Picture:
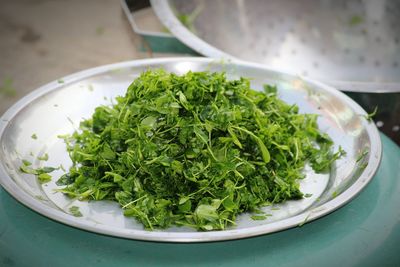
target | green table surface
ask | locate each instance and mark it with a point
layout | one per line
(365, 232)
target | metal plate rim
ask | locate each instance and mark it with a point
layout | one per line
(29, 201)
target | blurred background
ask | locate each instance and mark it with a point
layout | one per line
(43, 40)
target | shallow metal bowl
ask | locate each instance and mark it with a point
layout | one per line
(58, 107)
(353, 45)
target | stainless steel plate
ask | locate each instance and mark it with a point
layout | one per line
(58, 107)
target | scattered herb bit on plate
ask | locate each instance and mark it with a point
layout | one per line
(42, 173)
(194, 150)
(75, 211)
(34, 136)
(45, 157)
(371, 115)
(362, 155)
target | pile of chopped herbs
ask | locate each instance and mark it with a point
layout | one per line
(194, 150)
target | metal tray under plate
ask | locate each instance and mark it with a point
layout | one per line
(58, 107)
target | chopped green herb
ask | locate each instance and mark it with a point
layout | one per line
(60, 81)
(362, 155)
(45, 157)
(42, 173)
(194, 150)
(304, 221)
(26, 162)
(363, 166)
(308, 195)
(75, 211)
(44, 178)
(25, 169)
(369, 116)
(259, 217)
(34, 136)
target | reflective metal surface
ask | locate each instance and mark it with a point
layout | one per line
(353, 45)
(58, 107)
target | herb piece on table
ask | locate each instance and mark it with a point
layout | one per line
(194, 150)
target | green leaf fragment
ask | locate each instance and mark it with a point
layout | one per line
(75, 211)
(26, 162)
(45, 157)
(258, 217)
(44, 178)
(371, 115)
(42, 173)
